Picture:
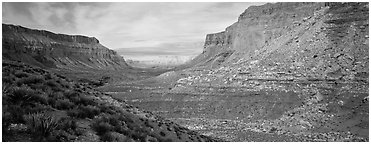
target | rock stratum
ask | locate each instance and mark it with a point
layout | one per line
(291, 69)
(319, 40)
(49, 50)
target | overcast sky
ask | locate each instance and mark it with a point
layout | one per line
(138, 27)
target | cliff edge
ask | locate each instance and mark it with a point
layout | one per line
(49, 50)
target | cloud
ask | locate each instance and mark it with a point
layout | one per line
(21, 9)
(163, 27)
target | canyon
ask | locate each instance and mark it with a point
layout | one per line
(282, 72)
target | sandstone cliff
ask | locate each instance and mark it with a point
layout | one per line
(320, 40)
(50, 50)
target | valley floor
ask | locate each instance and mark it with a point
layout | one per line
(282, 111)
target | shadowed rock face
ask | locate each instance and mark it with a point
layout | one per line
(47, 49)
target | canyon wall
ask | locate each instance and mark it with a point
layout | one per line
(321, 40)
(50, 50)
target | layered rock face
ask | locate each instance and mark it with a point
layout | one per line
(322, 40)
(297, 69)
(47, 49)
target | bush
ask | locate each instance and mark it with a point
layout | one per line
(86, 100)
(101, 127)
(108, 137)
(57, 95)
(90, 111)
(41, 98)
(84, 112)
(30, 80)
(20, 94)
(20, 74)
(114, 120)
(162, 133)
(71, 94)
(13, 114)
(67, 124)
(110, 109)
(36, 108)
(113, 137)
(54, 85)
(78, 98)
(61, 136)
(54, 97)
(8, 79)
(64, 104)
(41, 125)
(139, 134)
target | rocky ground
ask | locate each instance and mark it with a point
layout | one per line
(304, 112)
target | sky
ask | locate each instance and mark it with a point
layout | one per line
(133, 29)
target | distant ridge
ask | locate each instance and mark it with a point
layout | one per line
(49, 50)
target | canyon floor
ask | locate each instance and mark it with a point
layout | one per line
(265, 110)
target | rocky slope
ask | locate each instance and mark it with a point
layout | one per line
(314, 53)
(50, 50)
(39, 105)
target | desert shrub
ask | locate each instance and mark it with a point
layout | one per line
(64, 104)
(8, 79)
(78, 98)
(84, 112)
(20, 74)
(48, 76)
(61, 76)
(109, 137)
(165, 140)
(36, 108)
(101, 127)
(54, 85)
(140, 134)
(113, 137)
(110, 109)
(61, 136)
(41, 125)
(86, 100)
(74, 112)
(103, 80)
(54, 97)
(52, 102)
(6, 89)
(30, 80)
(57, 95)
(132, 126)
(40, 86)
(90, 111)
(41, 98)
(20, 94)
(127, 118)
(7, 118)
(25, 95)
(71, 94)
(66, 85)
(114, 120)
(162, 133)
(123, 129)
(67, 124)
(13, 114)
